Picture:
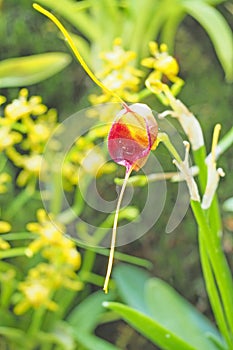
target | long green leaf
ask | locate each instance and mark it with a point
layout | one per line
(159, 301)
(176, 314)
(151, 329)
(218, 30)
(24, 71)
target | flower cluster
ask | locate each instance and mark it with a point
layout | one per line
(63, 260)
(51, 241)
(165, 68)
(118, 75)
(24, 131)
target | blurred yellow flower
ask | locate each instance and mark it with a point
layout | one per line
(4, 226)
(39, 131)
(22, 107)
(41, 283)
(117, 58)
(118, 75)
(27, 121)
(49, 232)
(31, 165)
(7, 136)
(2, 99)
(163, 65)
(44, 279)
(52, 243)
(36, 293)
(4, 180)
(4, 244)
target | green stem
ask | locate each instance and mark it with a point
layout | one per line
(22, 198)
(214, 220)
(199, 158)
(120, 256)
(13, 252)
(37, 320)
(143, 94)
(90, 277)
(213, 212)
(218, 261)
(163, 137)
(213, 292)
(88, 261)
(18, 236)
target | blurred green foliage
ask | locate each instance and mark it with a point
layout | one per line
(23, 32)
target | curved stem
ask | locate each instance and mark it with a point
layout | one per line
(76, 52)
(113, 241)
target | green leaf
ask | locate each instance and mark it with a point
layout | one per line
(131, 281)
(228, 204)
(176, 314)
(157, 300)
(75, 12)
(24, 71)
(91, 342)
(151, 329)
(86, 315)
(218, 30)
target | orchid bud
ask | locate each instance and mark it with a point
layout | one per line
(132, 136)
(130, 140)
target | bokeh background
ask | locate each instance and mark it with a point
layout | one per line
(174, 256)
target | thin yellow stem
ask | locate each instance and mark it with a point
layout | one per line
(76, 52)
(114, 231)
